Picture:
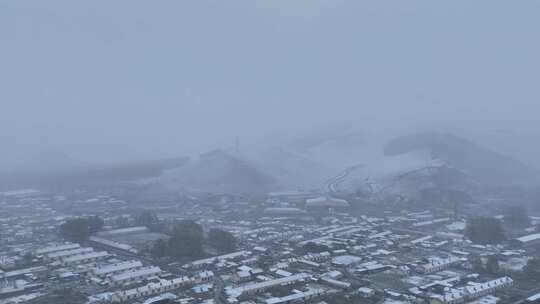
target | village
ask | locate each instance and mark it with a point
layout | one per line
(291, 247)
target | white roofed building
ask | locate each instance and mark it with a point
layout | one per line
(528, 240)
(326, 202)
(57, 255)
(116, 268)
(134, 275)
(471, 291)
(438, 264)
(254, 288)
(59, 247)
(149, 289)
(85, 258)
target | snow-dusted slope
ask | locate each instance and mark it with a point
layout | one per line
(219, 172)
(316, 161)
(292, 170)
(403, 166)
(476, 161)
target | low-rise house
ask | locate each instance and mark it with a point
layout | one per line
(437, 264)
(58, 247)
(204, 276)
(303, 296)
(134, 275)
(57, 255)
(251, 289)
(205, 262)
(149, 290)
(116, 268)
(85, 258)
(346, 260)
(470, 292)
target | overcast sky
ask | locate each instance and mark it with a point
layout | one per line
(122, 80)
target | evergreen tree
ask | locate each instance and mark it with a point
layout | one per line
(485, 230)
(95, 223)
(476, 264)
(492, 265)
(222, 240)
(532, 269)
(159, 249)
(75, 230)
(148, 219)
(516, 217)
(79, 229)
(186, 240)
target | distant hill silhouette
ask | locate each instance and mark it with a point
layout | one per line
(220, 172)
(480, 163)
(62, 173)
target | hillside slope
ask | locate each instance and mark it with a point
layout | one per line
(219, 172)
(480, 163)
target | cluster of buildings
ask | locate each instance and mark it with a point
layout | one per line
(295, 247)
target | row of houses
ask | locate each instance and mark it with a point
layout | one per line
(129, 276)
(298, 297)
(55, 248)
(70, 254)
(155, 288)
(254, 288)
(437, 264)
(198, 264)
(471, 291)
(103, 271)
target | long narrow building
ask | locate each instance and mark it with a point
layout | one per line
(85, 258)
(55, 248)
(116, 268)
(67, 253)
(254, 288)
(149, 289)
(135, 275)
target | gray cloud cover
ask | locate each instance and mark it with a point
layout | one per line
(122, 80)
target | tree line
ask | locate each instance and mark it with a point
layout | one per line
(79, 229)
(489, 230)
(187, 240)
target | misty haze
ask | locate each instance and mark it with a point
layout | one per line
(269, 152)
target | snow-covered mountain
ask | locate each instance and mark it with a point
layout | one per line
(353, 162)
(59, 172)
(480, 163)
(313, 161)
(404, 165)
(219, 172)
